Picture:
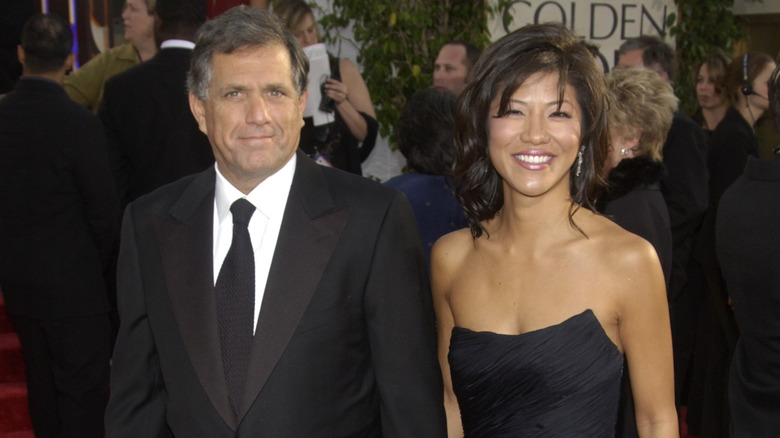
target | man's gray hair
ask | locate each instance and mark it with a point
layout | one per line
(240, 28)
(656, 54)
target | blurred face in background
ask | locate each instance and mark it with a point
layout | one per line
(760, 86)
(706, 93)
(306, 31)
(449, 69)
(139, 23)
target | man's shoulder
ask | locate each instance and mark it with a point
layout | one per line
(356, 188)
(43, 96)
(190, 190)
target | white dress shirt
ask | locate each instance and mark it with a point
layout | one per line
(270, 200)
(177, 44)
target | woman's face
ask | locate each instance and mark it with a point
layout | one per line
(760, 85)
(306, 32)
(139, 24)
(535, 144)
(706, 94)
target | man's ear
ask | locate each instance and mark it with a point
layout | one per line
(20, 54)
(198, 108)
(302, 100)
(302, 104)
(69, 62)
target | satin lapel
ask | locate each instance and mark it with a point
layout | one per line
(311, 227)
(185, 237)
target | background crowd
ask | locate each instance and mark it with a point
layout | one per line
(153, 127)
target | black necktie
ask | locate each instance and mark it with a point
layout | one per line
(235, 301)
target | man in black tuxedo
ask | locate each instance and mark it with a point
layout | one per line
(59, 218)
(340, 331)
(152, 137)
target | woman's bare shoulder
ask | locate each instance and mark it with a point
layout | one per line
(453, 245)
(609, 242)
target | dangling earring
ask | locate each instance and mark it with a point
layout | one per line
(579, 160)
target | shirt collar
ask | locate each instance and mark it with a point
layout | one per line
(177, 44)
(269, 197)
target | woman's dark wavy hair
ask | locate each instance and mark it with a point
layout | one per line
(500, 71)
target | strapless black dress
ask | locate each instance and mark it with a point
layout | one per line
(559, 381)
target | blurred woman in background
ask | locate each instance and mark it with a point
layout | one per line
(348, 141)
(710, 90)
(85, 85)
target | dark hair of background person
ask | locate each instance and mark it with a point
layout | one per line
(293, 12)
(735, 73)
(248, 27)
(499, 72)
(47, 42)
(472, 52)
(774, 101)
(655, 53)
(179, 17)
(425, 131)
(597, 55)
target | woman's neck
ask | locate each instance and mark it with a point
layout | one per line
(713, 116)
(751, 113)
(534, 217)
(146, 49)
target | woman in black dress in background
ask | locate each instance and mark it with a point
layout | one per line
(538, 304)
(348, 141)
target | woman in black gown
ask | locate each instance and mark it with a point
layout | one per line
(539, 302)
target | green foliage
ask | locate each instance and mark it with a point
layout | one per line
(399, 41)
(700, 26)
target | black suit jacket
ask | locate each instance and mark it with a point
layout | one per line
(152, 136)
(747, 248)
(59, 215)
(685, 190)
(345, 343)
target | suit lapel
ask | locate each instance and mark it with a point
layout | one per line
(185, 237)
(311, 227)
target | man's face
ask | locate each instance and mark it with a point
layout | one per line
(632, 58)
(449, 70)
(253, 115)
(139, 23)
